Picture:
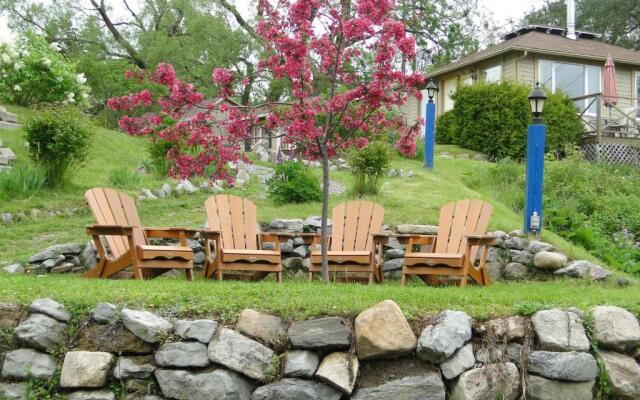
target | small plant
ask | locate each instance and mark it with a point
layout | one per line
(58, 138)
(292, 182)
(124, 178)
(158, 162)
(367, 166)
(21, 181)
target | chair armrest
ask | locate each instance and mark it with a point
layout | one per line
(414, 239)
(110, 230)
(210, 234)
(480, 240)
(174, 233)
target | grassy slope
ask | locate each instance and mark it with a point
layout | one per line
(414, 200)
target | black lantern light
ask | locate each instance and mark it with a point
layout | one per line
(536, 100)
(432, 89)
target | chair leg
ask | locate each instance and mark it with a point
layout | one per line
(403, 280)
(189, 274)
(310, 276)
(279, 277)
(219, 272)
(370, 278)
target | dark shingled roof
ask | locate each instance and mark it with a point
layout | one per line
(548, 43)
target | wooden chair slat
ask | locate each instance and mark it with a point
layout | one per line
(237, 222)
(119, 217)
(444, 228)
(350, 225)
(117, 244)
(473, 214)
(250, 225)
(130, 210)
(211, 210)
(224, 215)
(375, 226)
(457, 226)
(364, 225)
(337, 230)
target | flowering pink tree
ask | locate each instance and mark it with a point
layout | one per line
(358, 47)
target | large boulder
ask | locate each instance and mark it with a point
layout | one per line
(241, 354)
(536, 246)
(145, 325)
(539, 388)
(615, 328)
(25, 364)
(324, 334)
(494, 381)
(559, 330)
(182, 355)
(13, 391)
(51, 308)
(564, 366)
(585, 270)
(300, 364)
(212, 384)
(549, 260)
(85, 369)
(461, 361)
(266, 328)
(104, 313)
(295, 389)
(201, 330)
(41, 332)
(111, 339)
(137, 367)
(421, 387)
(13, 269)
(439, 341)
(339, 370)
(382, 331)
(515, 271)
(624, 375)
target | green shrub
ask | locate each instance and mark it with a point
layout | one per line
(492, 118)
(293, 182)
(367, 166)
(58, 138)
(158, 163)
(124, 178)
(21, 181)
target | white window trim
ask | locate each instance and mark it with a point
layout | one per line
(586, 78)
(636, 75)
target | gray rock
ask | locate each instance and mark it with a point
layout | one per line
(13, 269)
(24, 364)
(539, 388)
(515, 271)
(565, 366)
(421, 387)
(516, 327)
(92, 395)
(495, 381)
(41, 332)
(461, 361)
(382, 331)
(495, 269)
(515, 243)
(615, 328)
(201, 330)
(536, 246)
(300, 364)
(13, 391)
(295, 389)
(186, 186)
(287, 225)
(50, 308)
(212, 384)
(489, 355)
(287, 247)
(514, 352)
(266, 328)
(300, 251)
(183, 355)
(521, 257)
(145, 325)
(63, 268)
(324, 334)
(516, 232)
(165, 190)
(293, 263)
(148, 194)
(392, 254)
(138, 367)
(439, 341)
(559, 330)
(104, 313)
(418, 229)
(314, 223)
(199, 258)
(584, 269)
(52, 262)
(393, 243)
(56, 250)
(549, 260)
(624, 375)
(113, 338)
(85, 369)
(241, 354)
(339, 370)
(393, 265)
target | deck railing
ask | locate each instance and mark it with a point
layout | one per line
(609, 123)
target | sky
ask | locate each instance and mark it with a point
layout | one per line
(501, 10)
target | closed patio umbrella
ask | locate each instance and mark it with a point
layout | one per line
(610, 93)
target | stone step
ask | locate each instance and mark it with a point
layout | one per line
(9, 125)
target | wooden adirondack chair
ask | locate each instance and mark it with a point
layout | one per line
(233, 229)
(453, 251)
(355, 244)
(120, 230)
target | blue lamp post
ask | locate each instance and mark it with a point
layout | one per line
(535, 163)
(430, 126)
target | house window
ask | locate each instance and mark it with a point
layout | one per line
(493, 74)
(575, 80)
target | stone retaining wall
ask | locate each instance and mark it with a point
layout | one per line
(134, 354)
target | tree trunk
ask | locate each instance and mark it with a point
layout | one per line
(324, 230)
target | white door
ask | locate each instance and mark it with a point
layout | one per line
(449, 90)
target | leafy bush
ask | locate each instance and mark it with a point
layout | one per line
(58, 138)
(34, 72)
(158, 162)
(367, 166)
(21, 181)
(492, 118)
(293, 182)
(124, 178)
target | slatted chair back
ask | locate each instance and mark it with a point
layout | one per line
(458, 219)
(235, 218)
(353, 224)
(110, 207)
